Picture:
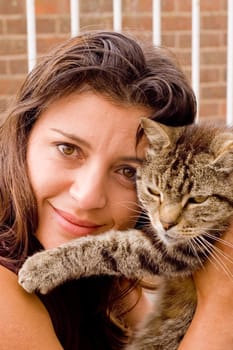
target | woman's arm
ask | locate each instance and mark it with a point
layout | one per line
(24, 323)
(212, 325)
(211, 329)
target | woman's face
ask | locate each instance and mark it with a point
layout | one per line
(81, 160)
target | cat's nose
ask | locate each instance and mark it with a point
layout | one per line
(167, 225)
(169, 213)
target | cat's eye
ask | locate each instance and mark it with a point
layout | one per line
(198, 199)
(153, 191)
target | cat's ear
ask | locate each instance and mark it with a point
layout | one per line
(222, 148)
(160, 136)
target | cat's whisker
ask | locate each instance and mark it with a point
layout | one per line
(146, 225)
(224, 267)
(138, 204)
(132, 210)
(220, 252)
(216, 254)
(130, 204)
(199, 244)
(139, 211)
(220, 240)
(192, 244)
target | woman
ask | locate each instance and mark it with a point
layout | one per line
(68, 160)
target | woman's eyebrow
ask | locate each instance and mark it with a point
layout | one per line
(85, 143)
(133, 159)
(72, 137)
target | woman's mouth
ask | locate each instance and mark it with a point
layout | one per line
(71, 224)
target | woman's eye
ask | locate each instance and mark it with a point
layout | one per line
(68, 149)
(129, 173)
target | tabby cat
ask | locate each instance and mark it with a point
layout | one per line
(185, 187)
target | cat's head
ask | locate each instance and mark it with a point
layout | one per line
(186, 183)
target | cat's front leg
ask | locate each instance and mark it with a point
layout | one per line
(43, 271)
(50, 268)
(112, 253)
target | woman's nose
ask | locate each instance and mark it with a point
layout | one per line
(89, 189)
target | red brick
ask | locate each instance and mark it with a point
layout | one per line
(214, 21)
(223, 38)
(168, 39)
(222, 108)
(63, 25)
(52, 6)
(184, 57)
(1, 26)
(208, 108)
(211, 74)
(16, 26)
(184, 6)
(167, 5)
(184, 40)
(3, 104)
(10, 86)
(210, 39)
(18, 66)
(210, 5)
(10, 7)
(3, 66)
(213, 57)
(213, 92)
(96, 7)
(176, 23)
(96, 22)
(45, 44)
(12, 46)
(137, 6)
(143, 36)
(216, 118)
(143, 23)
(223, 72)
(46, 25)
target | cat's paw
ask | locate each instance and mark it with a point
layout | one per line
(39, 273)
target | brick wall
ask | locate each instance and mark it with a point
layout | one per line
(53, 26)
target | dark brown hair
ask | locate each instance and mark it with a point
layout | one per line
(109, 63)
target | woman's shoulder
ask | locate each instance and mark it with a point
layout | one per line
(10, 287)
(24, 322)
